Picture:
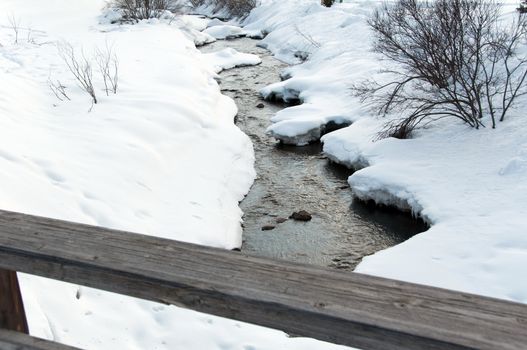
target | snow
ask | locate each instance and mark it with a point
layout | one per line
(456, 179)
(230, 58)
(136, 138)
(160, 157)
(225, 31)
(216, 22)
(469, 185)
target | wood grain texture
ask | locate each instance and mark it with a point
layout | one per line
(12, 314)
(343, 308)
(10, 340)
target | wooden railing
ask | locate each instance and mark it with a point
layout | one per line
(12, 314)
(343, 308)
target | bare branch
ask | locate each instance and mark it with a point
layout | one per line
(455, 58)
(14, 22)
(58, 89)
(135, 10)
(108, 65)
(307, 37)
(236, 8)
(80, 68)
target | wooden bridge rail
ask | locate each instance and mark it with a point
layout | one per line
(11, 340)
(343, 308)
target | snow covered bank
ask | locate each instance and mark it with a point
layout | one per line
(470, 185)
(230, 58)
(147, 138)
(305, 29)
(161, 157)
(225, 32)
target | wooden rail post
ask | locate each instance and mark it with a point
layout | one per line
(12, 314)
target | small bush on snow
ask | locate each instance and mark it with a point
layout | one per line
(235, 8)
(108, 67)
(135, 10)
(14, 23)
(451, 58)
(79, 67)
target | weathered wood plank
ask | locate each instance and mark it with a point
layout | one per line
(12, 314)
(343, 308)
(10, 340)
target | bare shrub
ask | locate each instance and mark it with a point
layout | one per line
(238, 8)
(197, 3)
(235, 8)
(144, 9)
(307, 37)
(108, 65)
(80, 68)
(14, 23)
(29, 37)
(58, 89)
(452, 58)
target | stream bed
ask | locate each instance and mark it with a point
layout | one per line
(342, 231)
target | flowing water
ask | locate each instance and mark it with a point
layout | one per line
(342, 231)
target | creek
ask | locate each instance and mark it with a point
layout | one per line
(342, 230)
